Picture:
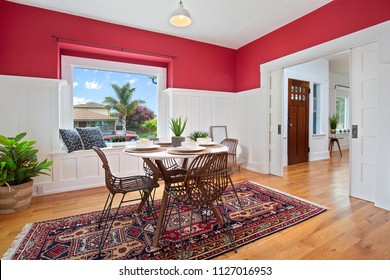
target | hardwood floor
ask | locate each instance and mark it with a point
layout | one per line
(350, 229)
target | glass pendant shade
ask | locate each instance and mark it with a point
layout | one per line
(180, 17)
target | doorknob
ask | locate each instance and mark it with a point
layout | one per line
(289, 122)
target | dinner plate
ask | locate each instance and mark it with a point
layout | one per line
(208, 144)
(194, 149)
(146, 148)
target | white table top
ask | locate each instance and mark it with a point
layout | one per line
(165, 154)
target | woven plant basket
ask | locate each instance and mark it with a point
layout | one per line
(15, 198)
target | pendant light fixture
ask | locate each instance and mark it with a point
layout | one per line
(180, 17)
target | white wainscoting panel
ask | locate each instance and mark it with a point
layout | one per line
(204, 109)
(67, 168)
(253, 130)
(31, 105)
(40, 107)
(83, 169)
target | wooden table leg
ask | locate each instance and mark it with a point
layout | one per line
(146, 195)
(164, 203)
(160, 220)
(338, 144)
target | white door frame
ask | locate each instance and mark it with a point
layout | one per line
(276, 123)
(378, 33)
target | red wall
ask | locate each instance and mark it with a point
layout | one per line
(26, 48)
(336, 19)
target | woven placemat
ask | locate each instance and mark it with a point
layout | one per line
(140, 150)
(178, 152)
(212, 146)
(162, 144)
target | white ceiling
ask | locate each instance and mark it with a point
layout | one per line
(228, 23)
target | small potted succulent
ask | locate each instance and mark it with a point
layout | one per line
(18, 165)
(198, 134)
(177, 126)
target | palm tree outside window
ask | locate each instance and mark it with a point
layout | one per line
(122, 103)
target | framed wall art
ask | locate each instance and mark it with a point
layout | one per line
(218, 133)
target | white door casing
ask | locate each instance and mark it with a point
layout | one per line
(379, 33)
(275, 122)
(364, 90)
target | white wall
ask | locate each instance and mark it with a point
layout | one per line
(32, 105)
(334, 80)
(253, 129)
(82, 169)
(315, 72)
(203, 110)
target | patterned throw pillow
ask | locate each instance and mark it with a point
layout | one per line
(91, 136)
(71, 139)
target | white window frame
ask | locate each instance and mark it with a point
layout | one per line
(343, 92)
(69, 62)
(319, 107)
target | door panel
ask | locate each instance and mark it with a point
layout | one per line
(298, 121)
(275, 122)
(364, 78)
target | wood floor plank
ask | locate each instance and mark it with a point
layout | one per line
(350, 229)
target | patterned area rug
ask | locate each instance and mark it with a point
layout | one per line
(266, 211)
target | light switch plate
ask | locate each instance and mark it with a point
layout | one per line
(354, 131)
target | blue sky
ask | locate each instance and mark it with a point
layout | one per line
(90, 85)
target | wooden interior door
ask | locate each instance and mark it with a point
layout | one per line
(298, 121)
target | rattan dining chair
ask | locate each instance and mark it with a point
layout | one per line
(122, 185)
(232, 143)
(201, 188)
(170, 164)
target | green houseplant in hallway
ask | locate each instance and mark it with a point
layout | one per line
(333, 121)
(18, 165)
(177, 126)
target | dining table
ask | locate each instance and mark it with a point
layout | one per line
(154, 157)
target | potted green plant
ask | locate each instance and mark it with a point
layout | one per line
(177, 126)
(18, 165)
(333, 124)
(198, 134)
(118, 139)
